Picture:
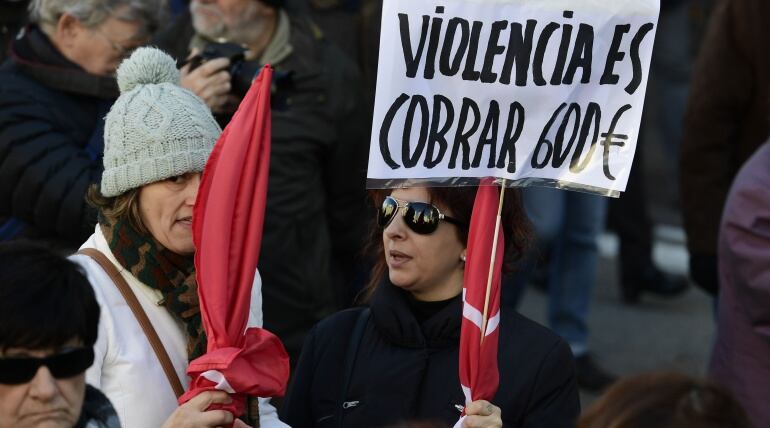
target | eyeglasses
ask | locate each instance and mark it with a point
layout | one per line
(119, 50)
(14, 371)
(421, 217)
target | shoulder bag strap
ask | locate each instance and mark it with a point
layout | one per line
(350, 360)
(140, 315)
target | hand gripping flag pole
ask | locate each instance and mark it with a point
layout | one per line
(479, 376)
(228, 217)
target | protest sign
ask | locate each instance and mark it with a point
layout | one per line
(546, 92)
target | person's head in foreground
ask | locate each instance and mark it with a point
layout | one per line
(157, 139)
(664, 400)
(96, 34)
(48, 325)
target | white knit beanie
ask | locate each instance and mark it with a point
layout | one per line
(156, 129)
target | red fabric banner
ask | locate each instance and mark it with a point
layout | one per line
(479, 375)
(227, 231)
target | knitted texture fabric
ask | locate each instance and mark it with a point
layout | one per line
(156, 129)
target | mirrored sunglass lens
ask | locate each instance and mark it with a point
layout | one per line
(388, 210)
(14, 371)
(71, 363)
(422, 217)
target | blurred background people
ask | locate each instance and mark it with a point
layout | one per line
(55, 89)
(340, 21)
(741, 358)
(567, 225)
(158, 137)
(48, 325)
(13, 15)
(629, 216)
(315, 217)
(727, 119)
(664, 400)
(397, 358)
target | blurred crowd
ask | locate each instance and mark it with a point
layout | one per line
(76, 174)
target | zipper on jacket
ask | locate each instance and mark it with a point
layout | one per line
(459, 408)
(350, 404)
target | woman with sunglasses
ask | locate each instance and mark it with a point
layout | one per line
(140, 259)
(48, 324)
(397, 358)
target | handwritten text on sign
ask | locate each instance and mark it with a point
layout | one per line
(550, 89)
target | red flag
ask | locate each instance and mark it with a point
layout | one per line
(479, 377)
(227, 230)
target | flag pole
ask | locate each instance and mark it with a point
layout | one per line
(492, 263)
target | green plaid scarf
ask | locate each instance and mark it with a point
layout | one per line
(159, 268)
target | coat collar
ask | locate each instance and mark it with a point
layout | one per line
(35, 55)
(393, 318)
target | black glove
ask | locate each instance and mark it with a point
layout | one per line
(703, 270)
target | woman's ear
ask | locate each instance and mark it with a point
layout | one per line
(68, 30)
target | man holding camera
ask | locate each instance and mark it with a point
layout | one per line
(315, 216)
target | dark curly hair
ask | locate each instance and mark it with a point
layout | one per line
(516, 225)
(665, 400)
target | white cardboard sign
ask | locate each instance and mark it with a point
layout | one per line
(545, 92)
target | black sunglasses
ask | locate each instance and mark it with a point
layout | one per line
(421, 217)
(14, 371)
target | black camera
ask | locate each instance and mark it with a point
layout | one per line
(242, 72)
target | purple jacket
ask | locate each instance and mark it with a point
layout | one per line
(741, 358)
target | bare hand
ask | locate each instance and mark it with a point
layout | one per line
(240, 424)
(210, 81)
(193, 414)
(483, 414)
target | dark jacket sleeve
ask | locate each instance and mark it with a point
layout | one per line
(345, 166)
(720, 97)
(554, 402)
(44, 173)
(296, 408)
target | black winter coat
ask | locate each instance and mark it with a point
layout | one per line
(404, 371)
(51, 143)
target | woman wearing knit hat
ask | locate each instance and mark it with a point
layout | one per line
(139, 260)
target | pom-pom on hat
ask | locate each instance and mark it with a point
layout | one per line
(156, 129)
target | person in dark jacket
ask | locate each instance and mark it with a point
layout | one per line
(55, 89)
(13, 15)
(314, 218)
(397, 359)
(727, 119)
(741, 357)
(49, 320)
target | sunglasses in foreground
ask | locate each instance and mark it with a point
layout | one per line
(421, 217)
(66, 364)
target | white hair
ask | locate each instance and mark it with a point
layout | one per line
(91, 13)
